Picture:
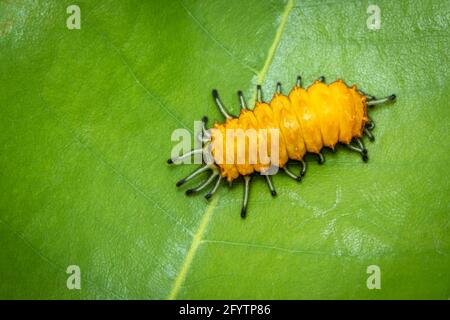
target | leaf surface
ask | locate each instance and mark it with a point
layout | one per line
(87, 117)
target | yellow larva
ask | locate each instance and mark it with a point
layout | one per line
(305, 120)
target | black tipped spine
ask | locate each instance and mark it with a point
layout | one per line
(180, 183)
(243, 212)
(321, 158)
(298, 82)
(369, 135)
(278, 87)
(303, 169)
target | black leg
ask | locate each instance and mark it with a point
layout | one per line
(246, 192)
(370, 125)
(214, 189)
(270, 184)
(359, 148)
(321, 158)
(369, 135)
(193, 175)
(184, 156)
(258, 93)
(392, 97)
(202, 185)
(291, 174)
(242, 102)
(298, 82)
(220, 105)
(303, 169)
(278, 87)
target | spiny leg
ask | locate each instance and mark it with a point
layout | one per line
(278, 90)
(359, 148)
(258, 93)
(204, 124)
(291, 174)
(361, 145)
(246, 192)
(220, 105)
(320, 158)
(208, 157)
(242, 102)
(184, 156)
(270, 185)
(353, 148)
(214, 189)
(392, 97)
(298, 82)
(369, 135)
(303, 169)
(193, 174)
(205, 135)
(203, 184)
(368, 96)
(370, 125)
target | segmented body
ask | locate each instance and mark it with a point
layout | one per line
(308, 120)
(304, 121)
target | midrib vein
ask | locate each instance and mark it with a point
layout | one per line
(276, 42)
(197, 239)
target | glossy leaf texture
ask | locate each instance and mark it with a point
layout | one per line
(87, 117)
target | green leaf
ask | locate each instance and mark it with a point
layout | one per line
(87, 117)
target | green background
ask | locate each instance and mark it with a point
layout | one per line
(86, 118)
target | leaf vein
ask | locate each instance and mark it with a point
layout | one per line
(197, 239)
(115, 171)
(48, 260)
(130, 70)
(210, 35)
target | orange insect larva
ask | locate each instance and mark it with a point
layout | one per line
(304, 121)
